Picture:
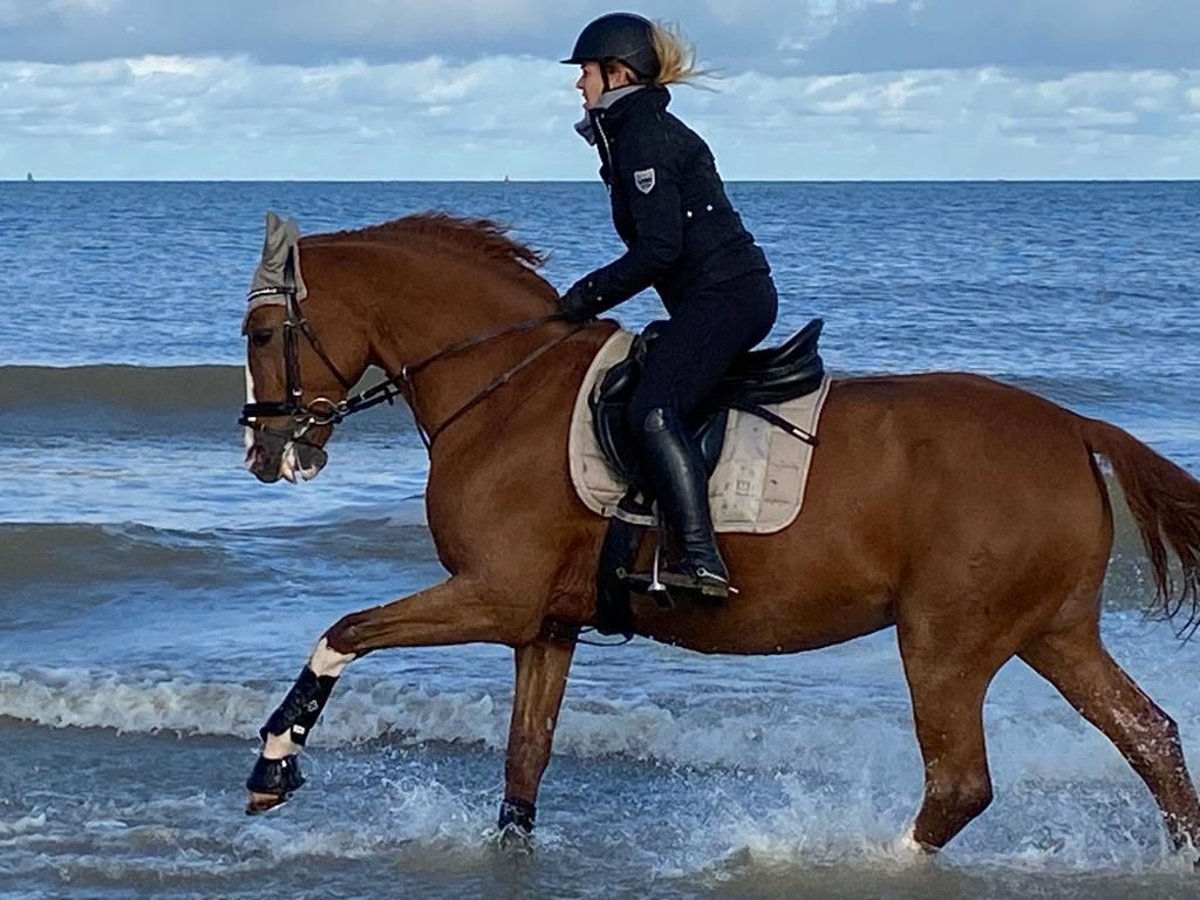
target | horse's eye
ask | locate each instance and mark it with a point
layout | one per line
(262, 336)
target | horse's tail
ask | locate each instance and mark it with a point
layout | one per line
(1165, 502)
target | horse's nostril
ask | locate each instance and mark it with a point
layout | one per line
(312, 457)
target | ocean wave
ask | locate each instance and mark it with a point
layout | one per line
(135, 387)
(376, 710)
(90, 553)
(781, 732)
(87, 553)
(200, 403)
(221, 387)
(143, 395)
(71, 552)
(370, 709)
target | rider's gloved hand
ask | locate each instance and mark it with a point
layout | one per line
(577, 304)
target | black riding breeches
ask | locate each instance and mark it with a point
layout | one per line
(696, 348)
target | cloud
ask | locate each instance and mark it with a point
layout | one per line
(793, 36)
(882, 35)
(471, 88)
(214, 117)
(306, 32)
(211, 118)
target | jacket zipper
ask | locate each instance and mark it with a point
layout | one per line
(606, 150)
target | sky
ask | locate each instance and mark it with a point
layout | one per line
(472, 89)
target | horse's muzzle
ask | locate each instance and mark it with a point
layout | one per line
(273, 455)
(309, 459)
(264, 458)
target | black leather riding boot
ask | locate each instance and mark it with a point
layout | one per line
(680, 483)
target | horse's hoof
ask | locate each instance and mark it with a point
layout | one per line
(518, 813)
(515, 840)
(261, 803)
(514, 830)
(272, 783)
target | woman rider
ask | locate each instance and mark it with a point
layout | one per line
(683, 237)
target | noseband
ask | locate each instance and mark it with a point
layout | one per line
(326, 411)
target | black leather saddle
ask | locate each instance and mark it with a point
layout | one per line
(758, 378)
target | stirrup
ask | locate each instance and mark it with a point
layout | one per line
(705, 586)
(708, 586)
(648, 582)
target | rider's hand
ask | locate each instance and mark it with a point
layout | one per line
(576, 305)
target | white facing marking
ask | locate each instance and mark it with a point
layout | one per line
(250, 398)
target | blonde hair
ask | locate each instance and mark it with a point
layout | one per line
(676, 54)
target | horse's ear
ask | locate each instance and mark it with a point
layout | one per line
(275, 239)
(280, 265)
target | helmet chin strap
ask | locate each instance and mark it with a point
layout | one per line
(604, 79)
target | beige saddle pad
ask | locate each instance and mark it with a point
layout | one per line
(758, 485)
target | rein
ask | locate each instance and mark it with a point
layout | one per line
(324, 411)
(407, 372)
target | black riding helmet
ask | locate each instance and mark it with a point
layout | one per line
(624, 37)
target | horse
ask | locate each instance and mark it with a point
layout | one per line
(971, 516)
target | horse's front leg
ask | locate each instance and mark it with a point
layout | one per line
(458, 611)
(541, 679)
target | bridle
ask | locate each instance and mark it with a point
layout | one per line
(325, 411)
(322, 410)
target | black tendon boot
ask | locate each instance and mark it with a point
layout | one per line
(677, 475)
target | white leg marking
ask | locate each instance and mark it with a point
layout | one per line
(907, 847)
(327, 661)
(280, 745)
(908, 844)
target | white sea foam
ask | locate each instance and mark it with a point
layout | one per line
(199, 835)
(1034, 738)
(709, 781)
(368, 708)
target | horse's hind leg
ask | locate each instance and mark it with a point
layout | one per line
(947, 694)
(541, 679)
(1076, 663)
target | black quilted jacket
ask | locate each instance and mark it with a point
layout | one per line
(668, 205)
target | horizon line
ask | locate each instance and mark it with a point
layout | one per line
(993, 180)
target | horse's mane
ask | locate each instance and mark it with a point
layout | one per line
(471, 237)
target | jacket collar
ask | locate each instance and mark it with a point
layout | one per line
(614, 107)
(615, 112)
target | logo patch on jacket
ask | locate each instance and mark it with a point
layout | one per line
(644, 180)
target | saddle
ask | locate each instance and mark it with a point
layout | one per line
(758, 378)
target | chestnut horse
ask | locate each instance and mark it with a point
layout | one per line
(969, 514)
